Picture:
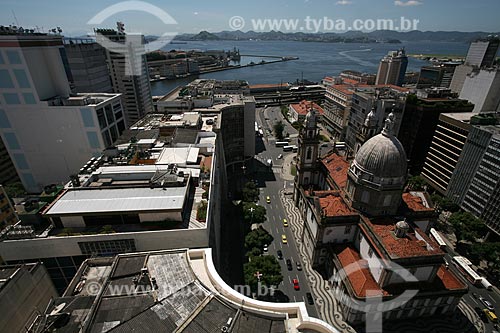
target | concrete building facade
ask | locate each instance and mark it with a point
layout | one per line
(48, 132)
(128, 59)
(392, 68)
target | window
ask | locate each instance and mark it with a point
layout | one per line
(4, 120)
(13, 57)
(21, 161)
(11, 98)
(29, 98)
(309, 153)
(11, 141)
(93, 140)
(107, 247)
(22, 79)
(387, 200)
(101, 118)
(365, 197)
(88, 120)
(5, 80)
(28, 181)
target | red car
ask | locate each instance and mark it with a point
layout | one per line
(295, 284)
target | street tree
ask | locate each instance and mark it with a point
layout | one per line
(250, 192)
(257, 239)
(467, 226)
(265, 269)
(278, 130)
(253, 213)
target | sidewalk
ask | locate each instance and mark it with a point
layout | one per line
(324, 298)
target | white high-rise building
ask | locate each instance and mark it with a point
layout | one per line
(129, 72)
(49, 132)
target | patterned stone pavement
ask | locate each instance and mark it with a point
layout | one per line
(465, 320)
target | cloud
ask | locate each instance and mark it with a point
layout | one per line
(344, 2)
(408, 3)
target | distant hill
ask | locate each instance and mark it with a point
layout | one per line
(347, 37)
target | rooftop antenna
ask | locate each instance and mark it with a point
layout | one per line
(15, 18)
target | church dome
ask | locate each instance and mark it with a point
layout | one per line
(383, 155)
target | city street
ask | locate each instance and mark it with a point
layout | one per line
(270, 181)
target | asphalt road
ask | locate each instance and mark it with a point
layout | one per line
(472, 300)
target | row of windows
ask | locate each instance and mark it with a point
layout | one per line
(107, 247)
(12, 56)
(14, 98)
(7, 82)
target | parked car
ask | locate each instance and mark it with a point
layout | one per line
(299, 266)
(280, 156)
(268, 199)
(266, 248)
(310, 299)
(285, 223)
(280, 254)
(296, 284)
(289, 264)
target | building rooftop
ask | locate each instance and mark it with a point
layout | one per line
(332, 204)
(415, 244)
(137, 199)
(360, 278)
(167, 291)
(304, 106)
(417, 201)
(337, 167)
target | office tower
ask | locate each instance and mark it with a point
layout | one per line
(481, 54)
(89, 69)
(446, 147)
(124, 60)
(420, 121)
(482, 88)
(475, 184)
(8, 173)
(436, 76)
(370, 105)
(392, 68)
(25, 292)
(49, 133)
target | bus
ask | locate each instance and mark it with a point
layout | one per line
(463, 264)
(437, 237)
(295, 148)
(281, 143)
(287, 148)
(340, 145)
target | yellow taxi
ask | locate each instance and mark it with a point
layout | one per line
(268, 199)
(491, 316)
(285, 223)
(283, 239)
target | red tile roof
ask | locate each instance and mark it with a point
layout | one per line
(414, 244)
(415, 203)
(304, 106)
(337, 167)
(362, 281)
(207, 163)
(332, 203)
(449, 280)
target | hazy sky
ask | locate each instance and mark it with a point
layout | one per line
(197, 15)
